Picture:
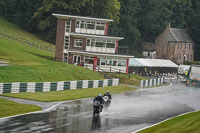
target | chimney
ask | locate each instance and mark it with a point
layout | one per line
(168, 25)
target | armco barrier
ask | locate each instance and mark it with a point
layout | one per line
(55, 86)
(151, 82)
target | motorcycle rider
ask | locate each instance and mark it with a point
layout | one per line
(100, 99)
(108, 94)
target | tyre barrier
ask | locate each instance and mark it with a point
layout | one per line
(55, 86)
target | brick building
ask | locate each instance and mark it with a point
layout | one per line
(174, 44)
(84, 40)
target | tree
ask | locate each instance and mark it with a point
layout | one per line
(181, 11)
(46, 23)
(128, 22)
(152, 18)
(194, 27)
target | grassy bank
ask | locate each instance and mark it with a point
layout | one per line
(69, 94)
(124, 78)
(10, 108)
(14, 31)
(183, 124)
(28, 64)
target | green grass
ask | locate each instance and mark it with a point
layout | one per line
(69, 94)
(28, 64)
(13, 30)
(188, 123)
(124, 78)
(10, 108)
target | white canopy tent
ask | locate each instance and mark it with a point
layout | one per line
(142, 62)
(143, 65)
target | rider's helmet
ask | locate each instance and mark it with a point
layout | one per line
(108, 92)
(100, 95)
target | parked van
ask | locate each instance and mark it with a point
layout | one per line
(194, 72)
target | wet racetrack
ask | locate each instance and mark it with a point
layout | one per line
(128, 112)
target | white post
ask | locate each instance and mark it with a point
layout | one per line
(146, 83)
(162, 80)
(158, 81)
(150, 84)
(154, 81)
(142, 83)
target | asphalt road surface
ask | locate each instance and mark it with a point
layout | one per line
(128, 112)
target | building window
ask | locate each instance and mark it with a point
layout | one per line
(103, 61)
(89, 59)
(189, 46)
(121, 63)
(78, 42)
(100, 43)
(178, 46)
(93, 43)
(110, 44)
(68, 26)
(88, 42)
(181, 46)
(82, 24)
(191, 57)
(90, 25)
(67, 42)
(100, 26)
(77, 24)
(179, 56)
(185, 46)
(188, 57)
(65, 57)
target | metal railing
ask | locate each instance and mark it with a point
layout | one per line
(27, 41)
(106, 69)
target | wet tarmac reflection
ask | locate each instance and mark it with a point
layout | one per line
(73, 117)
(128, 112)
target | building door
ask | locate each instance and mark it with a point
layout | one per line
(76, 59)
(98, 61)
(65, 57)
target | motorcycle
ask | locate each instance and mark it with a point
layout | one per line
(107, 102)
(96, 108)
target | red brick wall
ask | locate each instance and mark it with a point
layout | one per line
(166, 47)
(77, 48)
(162, 44)
(185, 51)
(73, 24)
(60, 39)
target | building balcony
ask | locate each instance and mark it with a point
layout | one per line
(109, 32)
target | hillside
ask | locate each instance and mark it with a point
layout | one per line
(12, 31)
(30, 64)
